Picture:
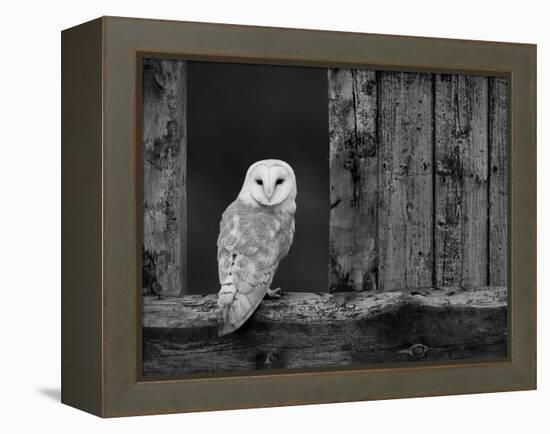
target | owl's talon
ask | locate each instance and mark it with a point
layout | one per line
(274, 293)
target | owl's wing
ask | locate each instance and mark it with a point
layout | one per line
(246, 264)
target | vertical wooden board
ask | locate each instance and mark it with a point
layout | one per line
(461, 153)
(353, 179)
(498, 199)
(405, 213)
(164, 137)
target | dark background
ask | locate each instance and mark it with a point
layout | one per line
(239, 114)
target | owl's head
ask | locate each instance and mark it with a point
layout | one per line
(269, 183)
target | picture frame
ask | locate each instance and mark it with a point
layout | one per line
(101, 217)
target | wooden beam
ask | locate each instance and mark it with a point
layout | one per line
(405, 214)
(498, 178)
(164, 142)
(308, 330)
(461, 203)
(352, 109)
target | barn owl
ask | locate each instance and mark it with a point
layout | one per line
(256, 232)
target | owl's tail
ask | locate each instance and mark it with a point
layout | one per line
(237, 307)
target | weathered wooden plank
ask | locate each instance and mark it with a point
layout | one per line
(306, 330)
(461, 154)
(353, 179)
(405, 212)
(164, 136)
(195, 311)
(498, 176)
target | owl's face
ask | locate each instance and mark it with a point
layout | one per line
(269, 182)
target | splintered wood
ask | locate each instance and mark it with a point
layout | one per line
(163, 152)
(353, 172)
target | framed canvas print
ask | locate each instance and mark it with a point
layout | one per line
(259, 216)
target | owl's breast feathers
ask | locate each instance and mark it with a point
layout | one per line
(262, 232)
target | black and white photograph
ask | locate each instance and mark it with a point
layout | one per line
(305, 217)
(277, 217)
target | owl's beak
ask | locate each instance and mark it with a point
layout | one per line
(269, 192)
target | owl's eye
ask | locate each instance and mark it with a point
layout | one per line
(279, 181)
(259, 182)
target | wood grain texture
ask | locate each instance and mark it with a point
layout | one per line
(353, 179)
(461, 153)
(394, 223)
(164, 136)
(498, 178)
(406, 187)
(305, 330)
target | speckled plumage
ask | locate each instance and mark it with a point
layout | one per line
(252, 241)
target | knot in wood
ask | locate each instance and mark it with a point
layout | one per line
(417, 351)
(268, 360)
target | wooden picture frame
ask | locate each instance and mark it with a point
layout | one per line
(101, 231)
